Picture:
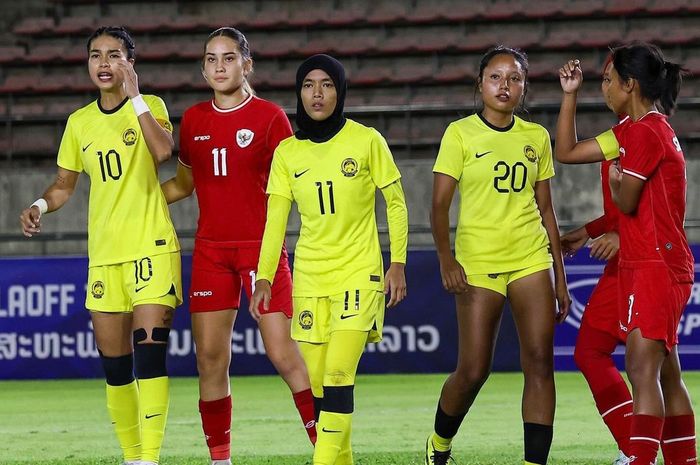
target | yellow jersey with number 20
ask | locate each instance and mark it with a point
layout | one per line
(128, 217)
(499, 227)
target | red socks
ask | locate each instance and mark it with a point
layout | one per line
(678, 444)
(645, 437)
(216, 423)
(615, 407)
(304, 400)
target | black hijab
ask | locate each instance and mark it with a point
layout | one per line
(321, 131)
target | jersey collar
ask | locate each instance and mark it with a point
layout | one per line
(496, 128)
(113, 110)
(229, 110)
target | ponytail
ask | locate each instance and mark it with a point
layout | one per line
(672, 77)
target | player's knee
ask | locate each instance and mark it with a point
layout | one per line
(150, 356)
(119, 371)
(338, 399)
(338, 378)
(211, 360)
(584, 357)
(470, 378)
(538, 363)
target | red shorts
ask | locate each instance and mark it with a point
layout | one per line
(601, 310)
(219, 273)
(651, 300)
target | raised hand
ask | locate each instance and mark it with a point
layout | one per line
(571, 76)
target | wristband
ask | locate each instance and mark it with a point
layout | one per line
(42, 204)
(140, 106)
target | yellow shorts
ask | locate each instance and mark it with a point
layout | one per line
(498, 282)
(315, 318)
(122, 286)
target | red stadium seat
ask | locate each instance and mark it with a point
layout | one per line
(11, 53)
(413, 72)
(667, 7)
(575, 8)
(499, 10)
(625, 7)
(388, 11)
(370, 75)
(456, 72)
(75, 25)
(46, 53)
(34, 26)
(18, 83)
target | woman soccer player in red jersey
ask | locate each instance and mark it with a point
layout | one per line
(506, 245)
(599, 332)
(648, 185)
(226, 147)
(134, 260)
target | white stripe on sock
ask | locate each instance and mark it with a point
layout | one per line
(616, 407)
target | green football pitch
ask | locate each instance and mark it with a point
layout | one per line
(65, 423)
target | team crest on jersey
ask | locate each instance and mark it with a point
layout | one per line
(530, 153)
(306, 320)
(244, 137)
(129, 136)
(98, 289)
(349, 167)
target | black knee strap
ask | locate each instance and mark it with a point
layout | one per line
(158, 335)
(119, 371)
(339, 399)
(150, 360)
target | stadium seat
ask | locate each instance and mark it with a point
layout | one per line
(413, 71)
(11, 53)
(625, 7)
(388, 11)
(577, 8)
(667, 7)
(369, 75)
(46, 53)
(77, 25)
(34, 26)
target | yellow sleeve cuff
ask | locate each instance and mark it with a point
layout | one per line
(397, 217)
(278, 208)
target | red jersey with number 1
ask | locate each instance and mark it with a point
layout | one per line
(230, 152)
(653, 234)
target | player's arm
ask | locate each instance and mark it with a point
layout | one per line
(278, 208)
(158, 139)
(179, 186)
(543, 197)
(397, 218)
(567, 147)
(453, 277)
(55, 196)
(626, 190)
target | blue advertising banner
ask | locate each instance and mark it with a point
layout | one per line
(45, 332)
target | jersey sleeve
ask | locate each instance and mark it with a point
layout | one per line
(278, 182)
(184, 156)
(382, 168)
(644, 152)
(159, 111)
(450, 159)
(69, 151)
(279, 130)
(608, 144)
(545, 164)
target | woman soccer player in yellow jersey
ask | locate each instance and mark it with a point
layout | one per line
(332, 168)
(134, 260)
(506, 245)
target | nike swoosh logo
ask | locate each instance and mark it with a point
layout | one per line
(148, 417)
(296, 175)
(139, 288)
(86, 147)
(330, 430)
(343, 317)
(479, 155)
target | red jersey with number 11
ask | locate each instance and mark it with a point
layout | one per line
(230, 152)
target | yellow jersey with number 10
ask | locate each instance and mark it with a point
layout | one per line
(499, 228)
(334, 185)
(127, 215)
